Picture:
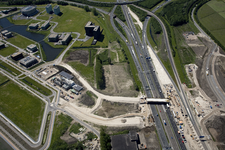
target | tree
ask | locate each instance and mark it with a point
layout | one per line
(94, 12)
(86, 8)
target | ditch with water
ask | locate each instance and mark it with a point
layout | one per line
(50, 52)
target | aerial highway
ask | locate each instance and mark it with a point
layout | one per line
(153, 83)
(181, 93)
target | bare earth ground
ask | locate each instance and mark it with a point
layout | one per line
(112, 109)
(198, 47)
(201, 63)
(149, 138)
(118, 80)
(78, 55)
(86, 100)
(216, 127)
(220, 71)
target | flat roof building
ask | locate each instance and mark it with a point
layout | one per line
(8, 35)
(66, 75)
(45, 25)
(92, 30)
(77, 87)
(49, 8)
(4, 32)
(56, 10)
(67, 38)
(54, 37)
(28, 61)
(17, 56)
(33, 26)
(32, 47)
(2, 45)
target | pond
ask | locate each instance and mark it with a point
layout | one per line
(50, 52)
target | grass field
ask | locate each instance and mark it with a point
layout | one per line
(75, 128)
(18, 22)
(21, 107)
(20, 41)
(37, 86)
(9, 68)
(7, 51)
(86, 71)
(212, 17)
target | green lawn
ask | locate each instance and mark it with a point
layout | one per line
(85, 71)
(37, 86)
(22, 108)
(212, 17)
(20, 41)
(121, 56)
(9, 68)
(3, 79)
(7, 51)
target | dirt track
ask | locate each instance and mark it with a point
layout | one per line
(201, 63)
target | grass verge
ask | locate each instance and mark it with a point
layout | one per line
(37, 86)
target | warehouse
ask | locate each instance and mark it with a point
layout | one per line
(66, 75)
(2, 45)
(49, 8)
(56, 10)
(32, 47)
(29, 11)
(54, 37)
(66, 40)
(45, 25)
(33, 26)
(28, 61)
(17, 56)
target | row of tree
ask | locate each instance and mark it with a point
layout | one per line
(140, 13)
(100, 79)
(148, 4)
(119, 13)
(93, 3)
(105, 140)
(156, 26)
(177, 12)
(28, 2)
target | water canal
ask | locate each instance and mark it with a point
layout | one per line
(50, 52)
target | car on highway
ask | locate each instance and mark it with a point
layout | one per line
(164, 122)
(126, 41)
(136, 42)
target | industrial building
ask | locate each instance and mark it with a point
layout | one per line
(29, 11)
(92, 30)
(125, 141)
(56, 10)
(33, 26)
(77, 87)
(66, 40)
(2, 45)
(57, 81)
(54, 37)
(45, 25)
(32, 47)
(28, 61)
(49, 8)
(66, 75)
(17, 56)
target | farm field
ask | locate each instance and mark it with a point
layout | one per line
(21, 107)
(212, 16)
